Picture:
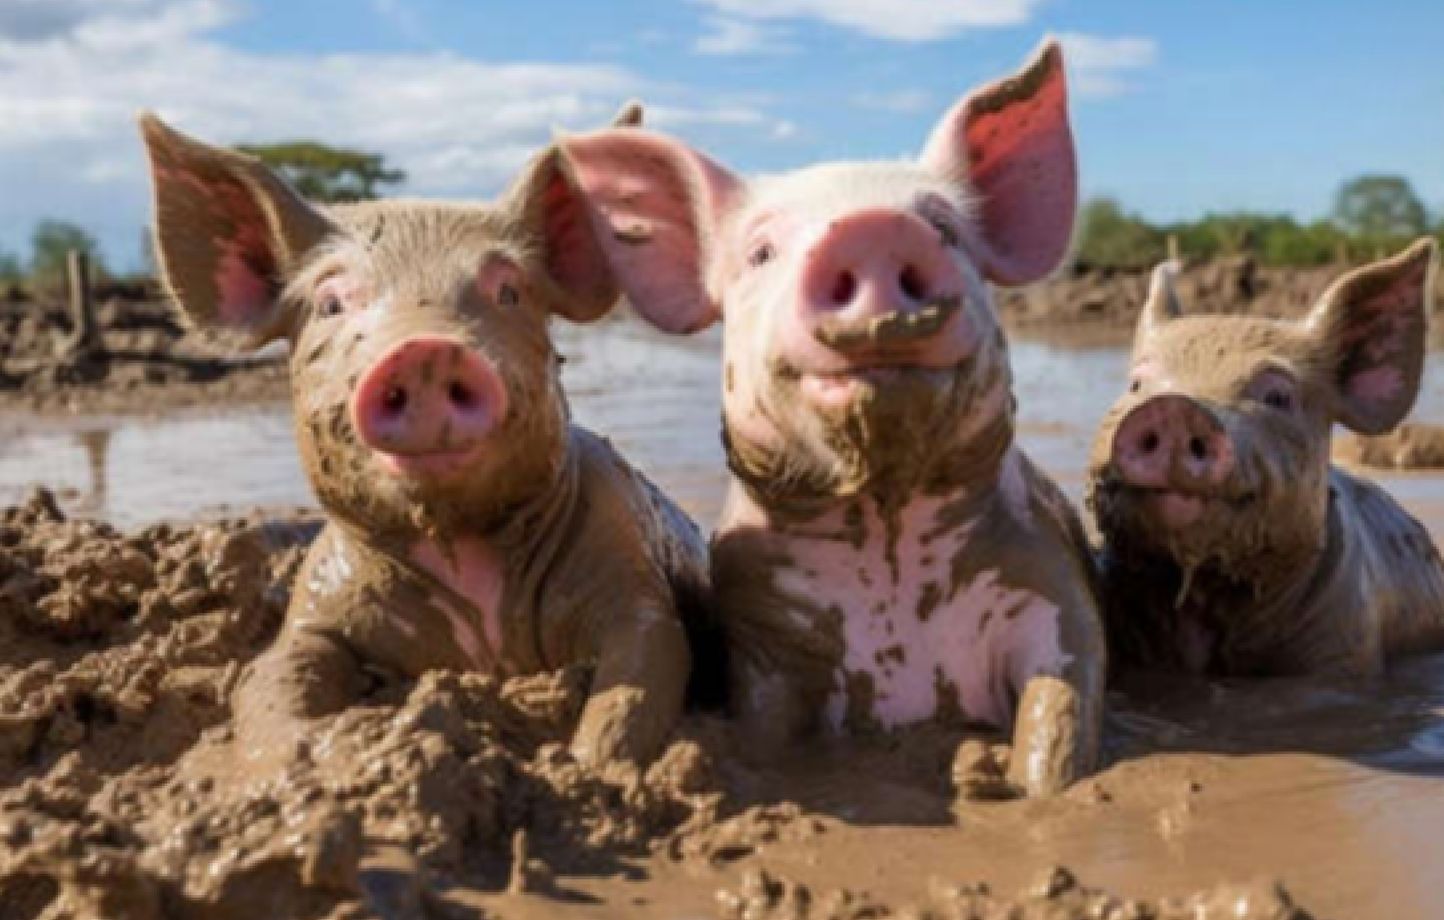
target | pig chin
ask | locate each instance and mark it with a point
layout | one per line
(878, 430)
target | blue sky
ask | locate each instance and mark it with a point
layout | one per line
(1179, 107)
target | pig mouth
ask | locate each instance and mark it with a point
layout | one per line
(437, 464)
(1179, 507)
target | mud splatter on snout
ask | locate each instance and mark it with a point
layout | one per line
(896, 328)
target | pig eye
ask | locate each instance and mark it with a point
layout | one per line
(507, 295)
(1135, 386)
(1279, 399)
(1275, 390)
(331, 305)
(761, 254)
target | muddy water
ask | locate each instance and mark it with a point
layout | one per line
(1336, 789)
(656, 397)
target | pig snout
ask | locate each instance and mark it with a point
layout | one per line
(428, 403)
(1171, 442)
(878, 278)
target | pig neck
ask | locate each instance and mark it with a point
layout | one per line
(966, 469)
(1232, 621)
(959, 487)
(494, 568)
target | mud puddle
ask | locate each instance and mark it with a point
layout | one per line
(122, 793)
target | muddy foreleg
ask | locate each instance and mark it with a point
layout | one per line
(304, 676)
(1055, 733)
(636, 696)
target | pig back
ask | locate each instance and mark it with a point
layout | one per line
(1400, 575)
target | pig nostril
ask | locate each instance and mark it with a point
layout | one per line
(912, 283)
(460, 395)
(844, 288)
(393, 401)
(1149, 442)
(1197, 448)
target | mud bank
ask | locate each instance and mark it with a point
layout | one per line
(123, 794)
(147, 362)
(1097, 301)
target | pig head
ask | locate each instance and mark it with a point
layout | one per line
(880, 510)
(1232, 544)
(472, 525)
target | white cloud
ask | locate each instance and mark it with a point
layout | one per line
(1100, 66)
(903, 101)
(70, 90)
(728, 35)
(898, 20)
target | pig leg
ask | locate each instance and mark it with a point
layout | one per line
(1057, 726)
(636, 694)
(304, 676)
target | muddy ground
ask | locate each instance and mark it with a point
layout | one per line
(1096, 301)
(122, 794)
(150, 362)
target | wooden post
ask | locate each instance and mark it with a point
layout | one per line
(1173, 247)
(84, 337)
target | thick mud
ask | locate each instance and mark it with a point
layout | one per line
(123, 793)
(1097, 301)
(147, 361)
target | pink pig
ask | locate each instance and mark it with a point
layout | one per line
(887, 553)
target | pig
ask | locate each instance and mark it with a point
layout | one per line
(1231, 545)
(471, 526)
(887, 554)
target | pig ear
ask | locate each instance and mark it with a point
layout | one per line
(547, 201)
(1010, 144)
(227, 232)
(629, 115)
(655, 204)
(1370, 325)
(1162, 304)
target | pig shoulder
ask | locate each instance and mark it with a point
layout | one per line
(625, 550)
(1399, 587)
(381, 609)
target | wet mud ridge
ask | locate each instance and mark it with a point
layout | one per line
(123, 793)
(144, 360)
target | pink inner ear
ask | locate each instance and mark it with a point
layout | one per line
(245, 268)
(574, 259)
(1377, 384)
(243, 293)
(652, 199)
(1013, 144)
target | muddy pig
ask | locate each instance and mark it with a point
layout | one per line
(472, 526)
(887, 554)
(1232, 545)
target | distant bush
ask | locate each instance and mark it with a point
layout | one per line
(1108, 237)
(1373, 215)
(50, 247)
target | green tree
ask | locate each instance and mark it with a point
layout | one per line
(328, 174)
(50, 246)
(1379, 208)
(1108, 237)
(11, 273)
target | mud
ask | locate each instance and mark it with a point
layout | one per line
(123, 792)
(1411, 446)
(149, 361)
(1085, 299)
